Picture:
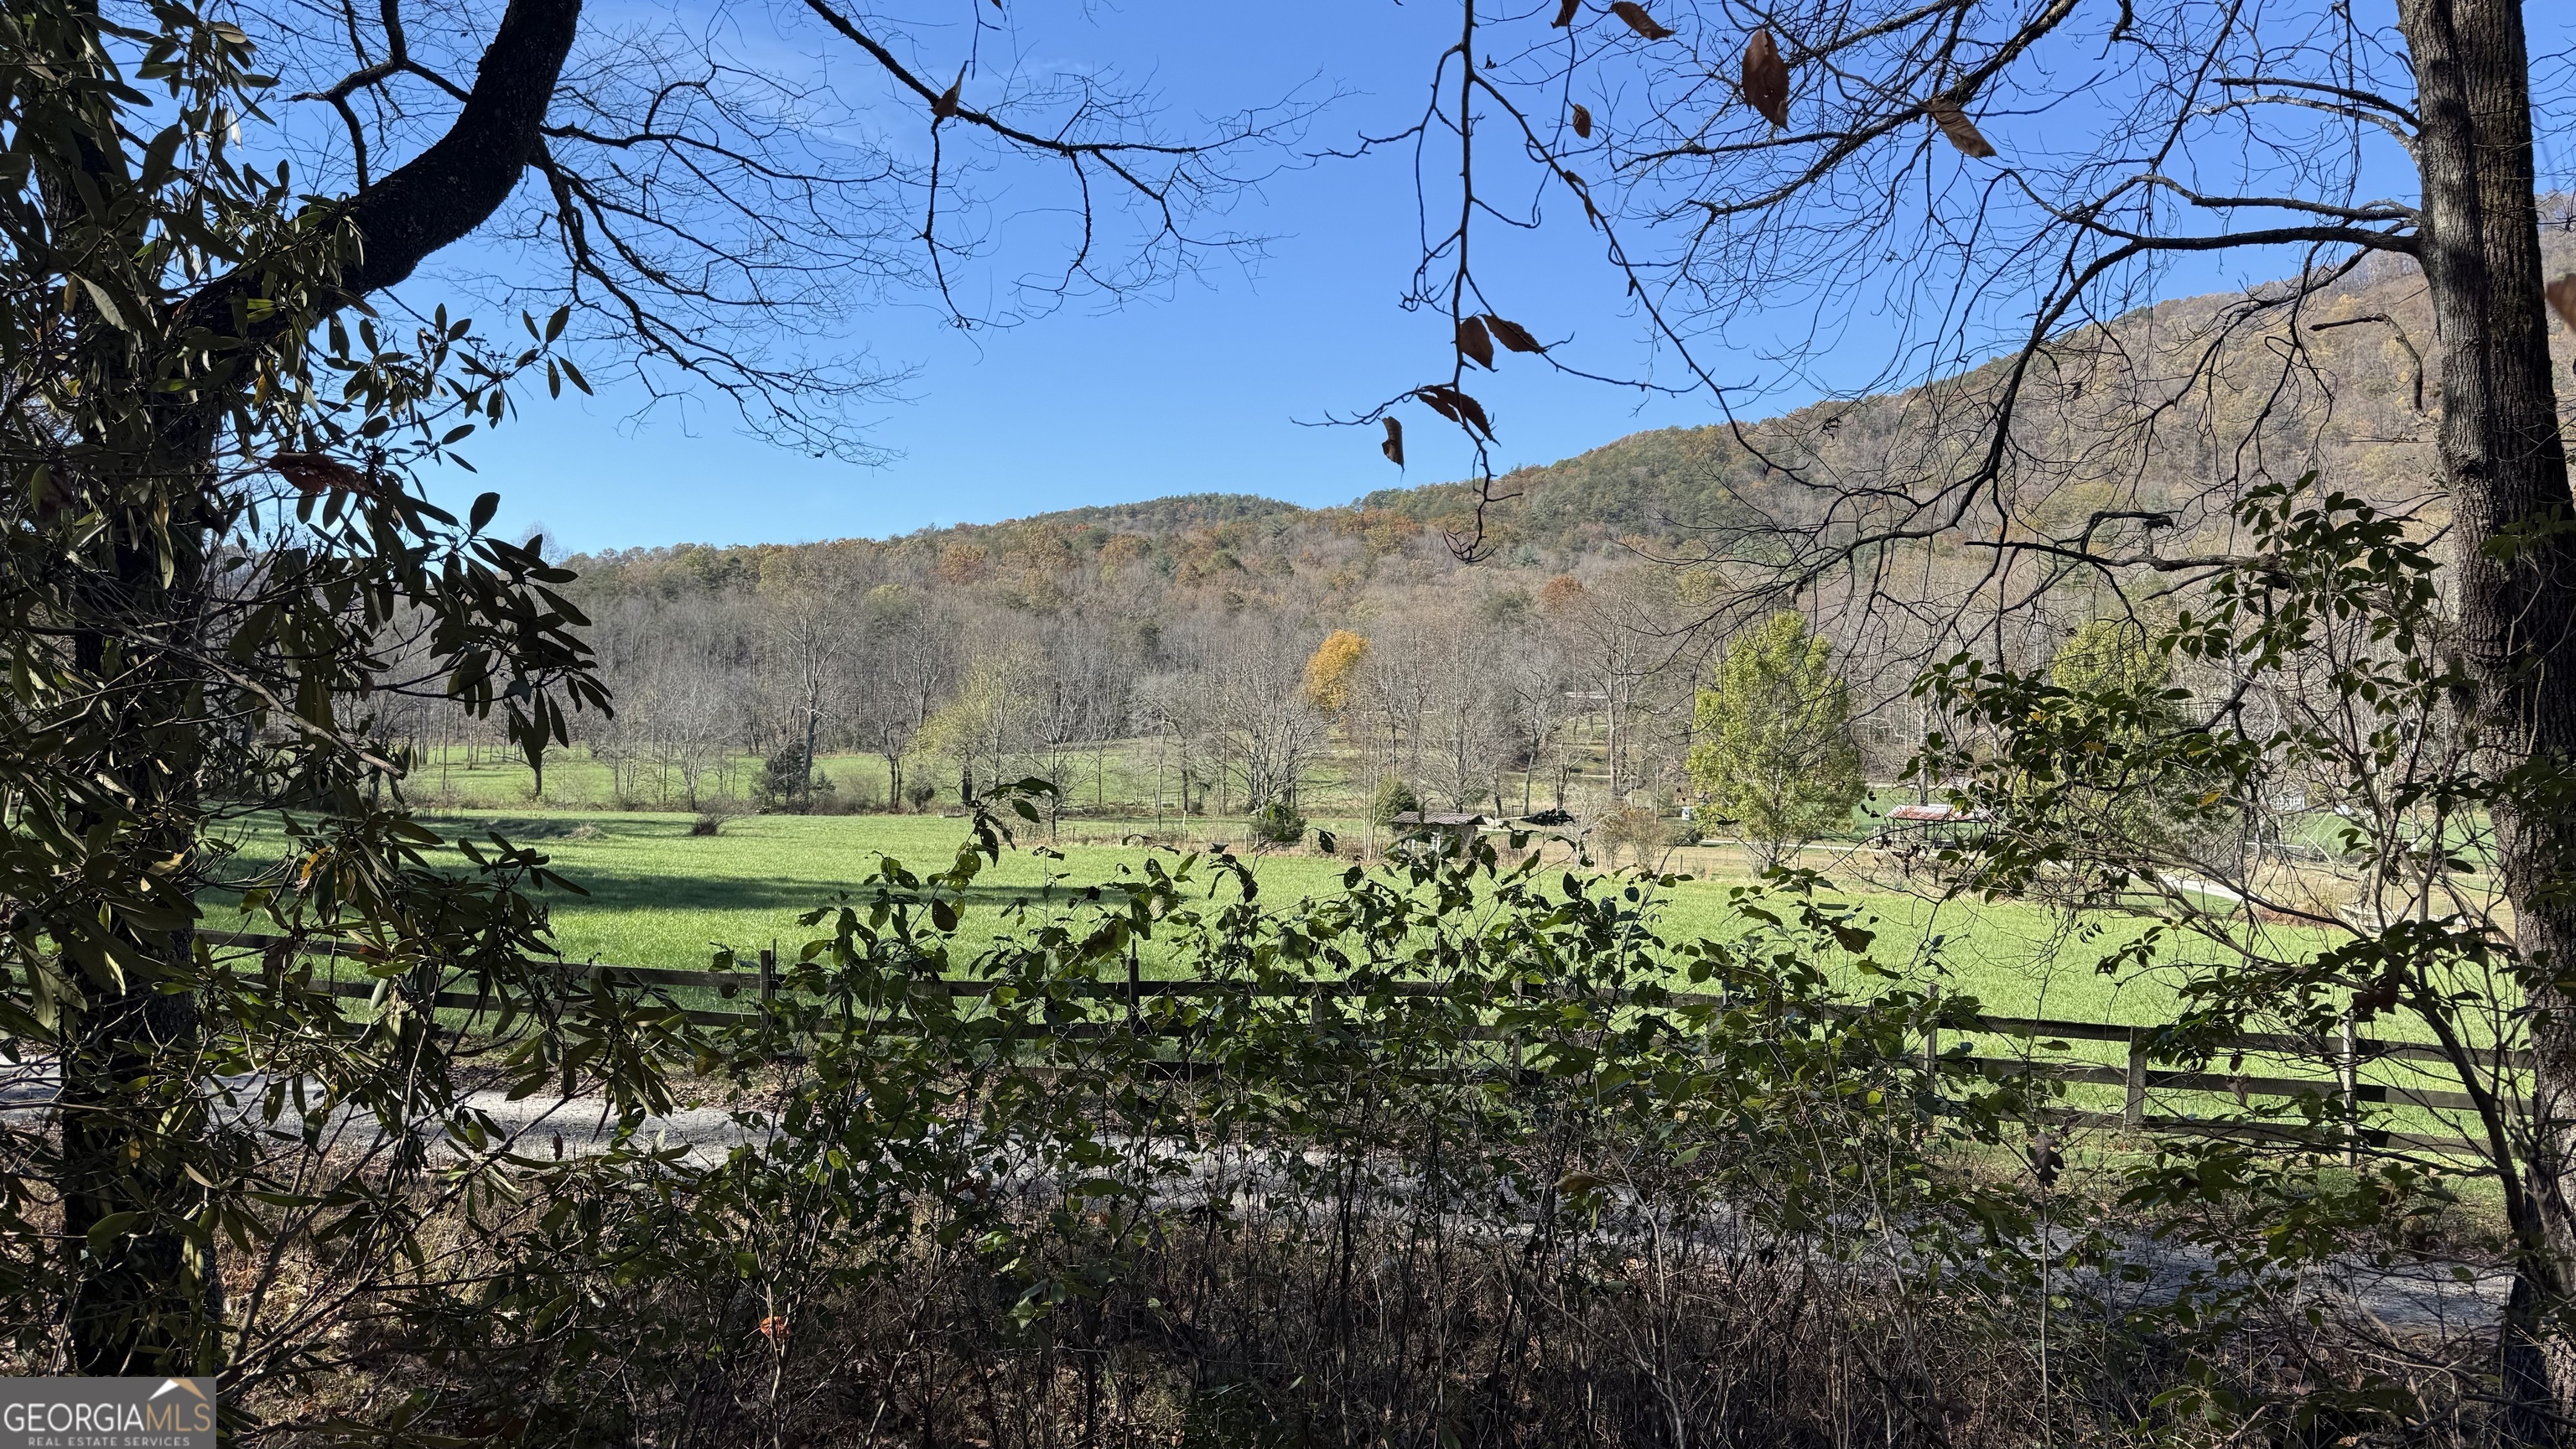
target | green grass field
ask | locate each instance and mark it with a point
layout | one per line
(658, 896)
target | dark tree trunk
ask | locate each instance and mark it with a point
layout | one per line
(145, 1304)
(131, 1110)
(132, 1098)
(2506, 470)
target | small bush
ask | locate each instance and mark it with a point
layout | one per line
(706, 825)
(1278, 823)
(786, 786)
(1635, 829)
(831, 797)
(1394, 797)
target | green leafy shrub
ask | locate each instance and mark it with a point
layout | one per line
(1278, 823)
(1394, 797)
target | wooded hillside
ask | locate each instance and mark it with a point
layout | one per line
(1191, 617)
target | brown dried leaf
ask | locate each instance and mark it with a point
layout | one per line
(1473, 344)
(1639, 21)
(1474, 412)
(1582, 122)
(1565, 13)
(319, 473)
(1954, 123)
(1457, 407)
(2562, 299)
(1393, 447)
(1766, 78)
(1512, 334)
(946, 105)
(1582, 193)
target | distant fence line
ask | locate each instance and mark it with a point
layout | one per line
(2138, 1077)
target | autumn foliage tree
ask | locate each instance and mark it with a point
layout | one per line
(1333, 669)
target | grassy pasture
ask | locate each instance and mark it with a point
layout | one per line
(658, 896)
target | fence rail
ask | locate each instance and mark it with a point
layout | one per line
(2137, 1076)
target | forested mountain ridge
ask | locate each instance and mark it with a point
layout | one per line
(1571, 652)
(2358, 406)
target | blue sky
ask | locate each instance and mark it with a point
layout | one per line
(1210, 385)
(1202, 386)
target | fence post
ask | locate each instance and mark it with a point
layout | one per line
(768, 975)
(2133, 1111)
(2348, 1076)
(1931, 1031)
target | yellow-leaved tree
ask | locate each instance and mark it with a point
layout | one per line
(1331, 669)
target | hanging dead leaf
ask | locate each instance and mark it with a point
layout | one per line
(1457, 407)
(1582, 193)
(1582, 123)
(2562, 298)
(946, 105)
(1393, 447)
(319, 473)
(1565, 13)
(1639, 21)
(1474, 414)
(1512, 334)
(1954, 123)
(773, 1328)
(1766, 78)
(1473, 344)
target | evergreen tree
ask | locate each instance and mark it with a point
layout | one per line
(2140, 796)
(1775, 754)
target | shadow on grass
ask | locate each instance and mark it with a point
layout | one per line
(639, 891)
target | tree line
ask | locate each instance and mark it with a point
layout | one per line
(1509, 691)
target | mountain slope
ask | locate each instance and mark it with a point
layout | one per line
(2173, 406)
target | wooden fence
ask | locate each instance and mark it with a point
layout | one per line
(2137, 1076)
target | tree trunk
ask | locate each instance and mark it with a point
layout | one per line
(146, 1304)
(813, 718)
(132, 1099)
(131, 1112)
(2506, 470)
